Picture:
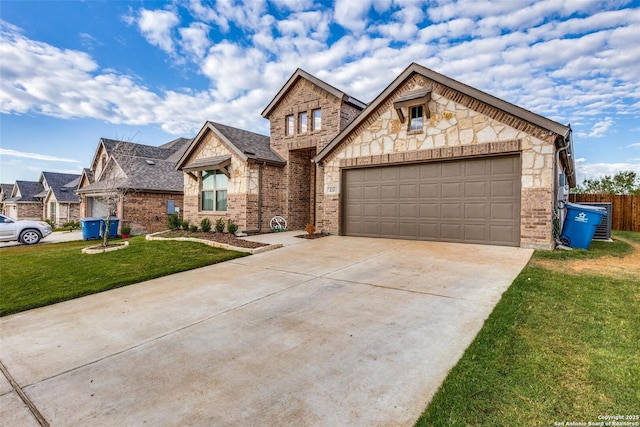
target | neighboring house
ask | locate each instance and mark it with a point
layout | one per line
(430, 158)
(60, 203)
(232, 173)
(137, 183)
(5, 193)
(23, 203)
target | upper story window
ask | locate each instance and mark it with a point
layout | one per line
(417, 118)
(316, 119)
(302, 122)
(214, 191)
(289, 125)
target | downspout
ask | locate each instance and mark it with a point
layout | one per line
(561, 204)
(259, 229)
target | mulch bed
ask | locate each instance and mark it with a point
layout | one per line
(227, 238)
(311, 236)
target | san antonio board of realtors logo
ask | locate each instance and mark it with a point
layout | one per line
(582, 217)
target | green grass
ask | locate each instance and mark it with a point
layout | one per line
(558, 347)
(35, 276)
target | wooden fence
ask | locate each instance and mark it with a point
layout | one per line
(625, 209)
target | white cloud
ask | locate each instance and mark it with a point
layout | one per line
(635, 145)
(294, 5)
(601, 128)
(208, 14)
(195, 39)
(34, 156)
(352, 15)
(156, 26)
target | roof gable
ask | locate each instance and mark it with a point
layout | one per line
(300, 73)
(526, 115)
(62, 186)
(244, 144)
(25, 191)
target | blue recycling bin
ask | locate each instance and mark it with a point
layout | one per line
(90, 228)
(113, 226)
(580, 225)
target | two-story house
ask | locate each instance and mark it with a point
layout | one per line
(430, 158)
(232, 173)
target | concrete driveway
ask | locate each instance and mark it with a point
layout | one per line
(55, 237)
(328, 332)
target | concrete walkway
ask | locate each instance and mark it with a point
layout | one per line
(328, 332)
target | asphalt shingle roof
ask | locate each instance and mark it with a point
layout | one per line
(146, 168)
(58, 182)
(27, 189)
(6, 190)
(252, 145)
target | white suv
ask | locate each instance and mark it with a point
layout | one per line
(27, 232)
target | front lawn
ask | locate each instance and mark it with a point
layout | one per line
(35, 276)
(562, 346)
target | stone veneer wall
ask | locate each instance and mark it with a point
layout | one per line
(242, 185)
(456, 121)
(66, 212)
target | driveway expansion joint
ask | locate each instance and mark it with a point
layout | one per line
(23, 396)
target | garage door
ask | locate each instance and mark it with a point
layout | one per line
(470, 201)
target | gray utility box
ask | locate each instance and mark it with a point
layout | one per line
(603, 231)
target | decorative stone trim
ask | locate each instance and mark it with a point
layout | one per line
(92, 250)
(252, 251)
(458, 152)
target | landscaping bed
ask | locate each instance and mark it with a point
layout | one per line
(226, 238)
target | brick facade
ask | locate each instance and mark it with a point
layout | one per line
(301, 177)
(28, 210)
(147, 212)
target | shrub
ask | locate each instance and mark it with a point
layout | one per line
(193, 228)
(184, 224)
(311, 229)
(125, 229)
(205, 225)
(72, 225)
(232, 227)
(219, 225)
(48, 221)
(173, 221)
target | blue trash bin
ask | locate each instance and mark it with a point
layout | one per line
(90, 228)
(580, 225)
(113, 226)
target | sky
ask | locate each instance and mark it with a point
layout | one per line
(72, 72)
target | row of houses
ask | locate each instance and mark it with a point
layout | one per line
(429, 158)
(143, 175)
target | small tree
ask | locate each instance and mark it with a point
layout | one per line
(114, 180)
